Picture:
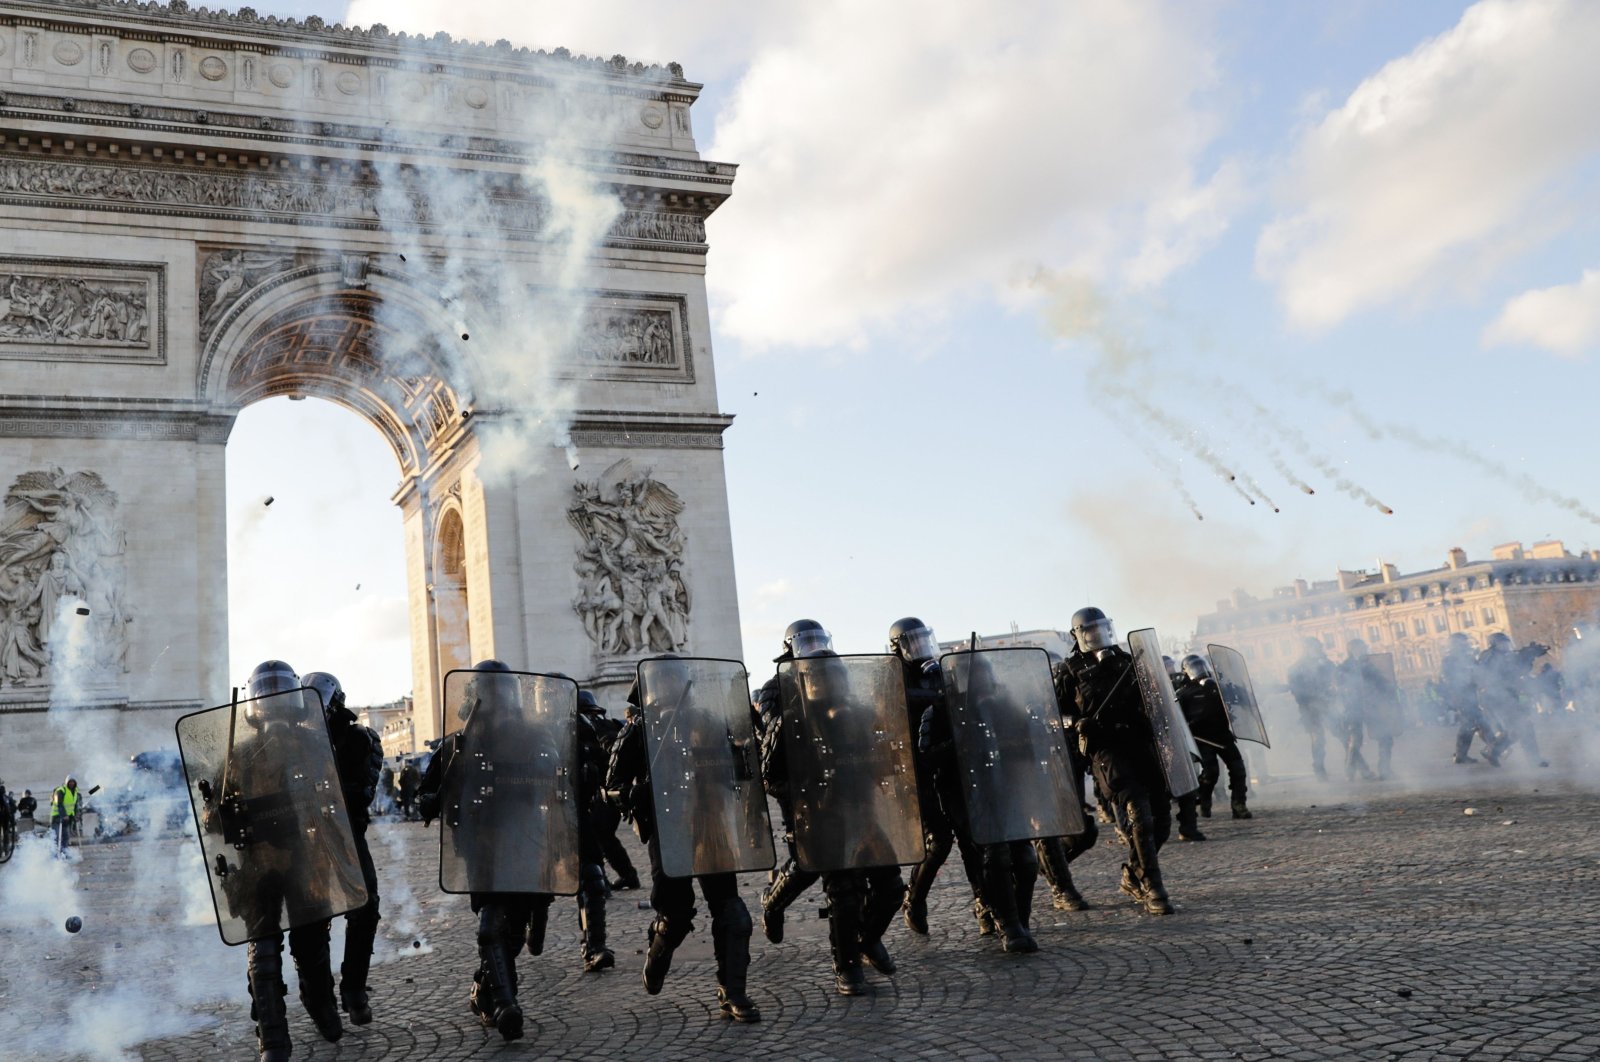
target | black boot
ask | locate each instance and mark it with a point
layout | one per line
(1188, 818)
(884, 893)
(538, 921)
(985, 917)
(664, 940)
(267, 992)
(1152, 893)
(1000, 898)
(730, 938)
(592, 922)
(1240, 811)
(500, 980)
(844, 938)
(915, 907)
(316, 988)
(789, 883)
(1026, 873)
(1056, 866)
(361, 930)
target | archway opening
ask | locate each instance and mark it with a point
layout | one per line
(452, 630)
(309, 581)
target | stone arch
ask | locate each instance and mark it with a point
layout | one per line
(451, 632)
(366, 342)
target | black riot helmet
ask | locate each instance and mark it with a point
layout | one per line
(1173, 670)
(494, 682)
(1196, 668)
(803, 638)
(1312, 648)
(1500, 642)
(912, 640)
(1459, 642)
(327, 688)
(1092, 630)
(1355, 649)
(588, 705)
(275, 695)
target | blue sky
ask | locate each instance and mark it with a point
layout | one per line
(972, 266)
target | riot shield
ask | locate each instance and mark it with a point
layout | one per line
(1016, 780)
(273, 826)
(852, 787)
(509, 798)
(705, 767)
(1233, 682)
(1161, 708)
(1387, 714)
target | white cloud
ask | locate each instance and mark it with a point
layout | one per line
(1564, 319)
(1438, 161)
(896, 155)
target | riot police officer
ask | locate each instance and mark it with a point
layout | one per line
(505, 919)
(913, 642)
(358, 754)
(629, 784)
(1458, 688)
(276, 708)
(803, 638)
(1114, 733)
(606, 818)
(861, 902)
(1009, 869)
(1207, 715)
(1366, 696)
(1502, 685)
(592, 759)
(1056, 854)
(1311, 681)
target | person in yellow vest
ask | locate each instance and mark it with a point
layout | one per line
(64, 811)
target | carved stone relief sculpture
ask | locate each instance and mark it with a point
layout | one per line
(631, 594)
(227, 275)
(628, 337)
(50, 308)
(61, 542)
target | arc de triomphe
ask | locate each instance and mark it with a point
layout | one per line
(203, 209)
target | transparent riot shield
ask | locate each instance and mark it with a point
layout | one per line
(509, 799)
(273, 826)
(705, 767)
(1016, 780)
(1161, 707)
(852, 787)
(1386, 714)
(1233, 682)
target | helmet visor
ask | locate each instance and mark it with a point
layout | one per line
(810, 643)
(1096, 636)
(918, 644)
(1197, 670)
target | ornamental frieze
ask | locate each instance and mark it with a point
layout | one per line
(256, 196)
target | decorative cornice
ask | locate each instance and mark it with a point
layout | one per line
(162, 120)
(640, 429)
(23, 417)
(314, 32)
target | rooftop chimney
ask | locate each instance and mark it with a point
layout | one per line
(1456, 558)
(1552, 549)
(1510, 551)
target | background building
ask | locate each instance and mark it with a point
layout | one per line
(394, 724)
(1532, 595)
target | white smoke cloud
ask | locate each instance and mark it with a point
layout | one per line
(1440, 165)
(1564, 319)
(896, 155)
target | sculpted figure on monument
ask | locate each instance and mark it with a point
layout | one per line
(632, 597)
(60, 541)
(227, 275)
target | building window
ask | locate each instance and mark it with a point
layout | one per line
(1398, 630)
(1488, 616)
(1419, 626)
(1374, 633)
(1464, 618)
(1441, 622)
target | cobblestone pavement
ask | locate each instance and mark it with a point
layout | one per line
(1366, 922)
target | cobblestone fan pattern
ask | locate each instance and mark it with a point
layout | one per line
(1395, 926)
